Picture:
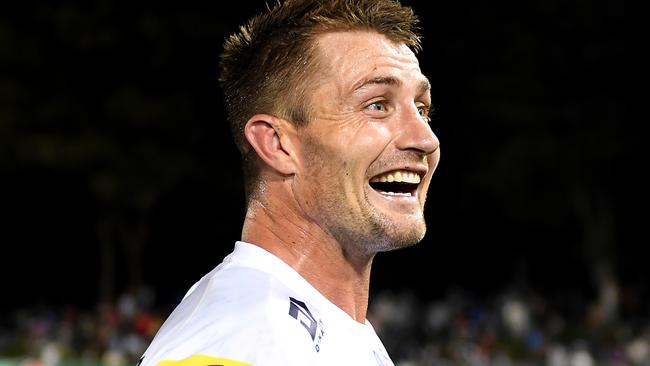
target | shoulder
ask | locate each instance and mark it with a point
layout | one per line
(233, 313)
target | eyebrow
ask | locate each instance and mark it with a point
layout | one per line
(423, 88)
(379, 80)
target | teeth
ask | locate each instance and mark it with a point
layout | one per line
(397, 194)
(398, 176)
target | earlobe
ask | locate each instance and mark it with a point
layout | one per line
(265, 134)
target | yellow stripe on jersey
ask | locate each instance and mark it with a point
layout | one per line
(202, 360)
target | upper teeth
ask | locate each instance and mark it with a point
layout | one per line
(398, 176)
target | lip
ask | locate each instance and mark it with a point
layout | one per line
(402, 203)
(413, 197)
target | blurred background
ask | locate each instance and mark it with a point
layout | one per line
(120, 185)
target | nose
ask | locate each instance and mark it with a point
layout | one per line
(415, 133)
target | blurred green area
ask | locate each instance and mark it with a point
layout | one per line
(19, 361)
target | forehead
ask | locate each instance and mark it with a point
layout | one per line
(354, 56)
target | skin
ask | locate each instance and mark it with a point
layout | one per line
(317, 210)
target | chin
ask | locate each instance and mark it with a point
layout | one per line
(399, 237)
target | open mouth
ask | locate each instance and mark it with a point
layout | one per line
(396, 183)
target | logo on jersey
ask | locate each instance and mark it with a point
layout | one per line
(202, 360)
(382, 359)
(299, 311)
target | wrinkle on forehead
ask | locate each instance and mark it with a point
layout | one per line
(348, 60)
(354, 55)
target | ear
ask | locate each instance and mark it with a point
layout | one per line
(269, 136)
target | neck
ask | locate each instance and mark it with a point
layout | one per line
(341, 277)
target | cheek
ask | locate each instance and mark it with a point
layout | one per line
(433, 160)
(345, 151)
(372, 139)
(359, 130)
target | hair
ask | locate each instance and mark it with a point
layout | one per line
(266, 65)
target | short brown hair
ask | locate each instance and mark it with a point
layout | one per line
(265, 64)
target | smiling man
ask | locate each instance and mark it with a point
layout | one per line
(329, 108)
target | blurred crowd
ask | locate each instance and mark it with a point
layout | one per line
(114, 333)
(514, 327)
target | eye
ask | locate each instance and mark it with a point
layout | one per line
(424, 111)
(379, 106)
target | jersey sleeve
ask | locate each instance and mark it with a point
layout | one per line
(252, 326)
(259, 345)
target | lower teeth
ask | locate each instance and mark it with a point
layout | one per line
(397, 194)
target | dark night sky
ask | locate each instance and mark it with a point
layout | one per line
(110, 113)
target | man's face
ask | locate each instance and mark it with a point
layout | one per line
(368, 153)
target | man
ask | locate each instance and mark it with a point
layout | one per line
(329, 109)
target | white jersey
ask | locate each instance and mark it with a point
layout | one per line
(254, 309)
